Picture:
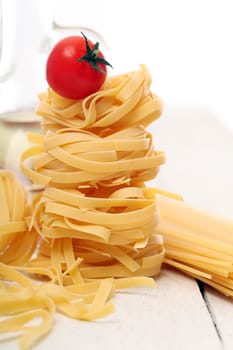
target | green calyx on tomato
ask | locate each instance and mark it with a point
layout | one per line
(76, 68)
(92, 56)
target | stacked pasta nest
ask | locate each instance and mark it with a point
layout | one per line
(96, 155)
(92, 228)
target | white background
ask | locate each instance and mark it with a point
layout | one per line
(187, 45)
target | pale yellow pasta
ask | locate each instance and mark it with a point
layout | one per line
(16, 243)
(76, 157)
(102, 231)
(197, 243)
(83, 266)
(124, 100)
(94, 223)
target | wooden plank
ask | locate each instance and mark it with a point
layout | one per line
(199, 153)
(221, 309)
(200, 167)
(171, 316)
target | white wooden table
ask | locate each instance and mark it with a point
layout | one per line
(176, 315)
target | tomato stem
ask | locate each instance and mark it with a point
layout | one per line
(92, 57)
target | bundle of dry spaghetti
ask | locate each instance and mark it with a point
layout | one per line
(197, 243)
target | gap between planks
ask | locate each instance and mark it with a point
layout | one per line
(209, 308)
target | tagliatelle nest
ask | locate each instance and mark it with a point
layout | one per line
(92, 230)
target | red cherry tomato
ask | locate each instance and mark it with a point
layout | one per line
(75, 67)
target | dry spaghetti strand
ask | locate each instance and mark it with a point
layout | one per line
(197, 243)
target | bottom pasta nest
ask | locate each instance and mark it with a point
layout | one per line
(71, 251)
(98, 236)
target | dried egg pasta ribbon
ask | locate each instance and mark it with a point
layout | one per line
(125, 212)
(123, 101)
(16, 243)
(91, 259)
(21, 303)
(138, 252)
(125, 154)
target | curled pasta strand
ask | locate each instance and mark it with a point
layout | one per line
(122, 155)
(124, 100)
